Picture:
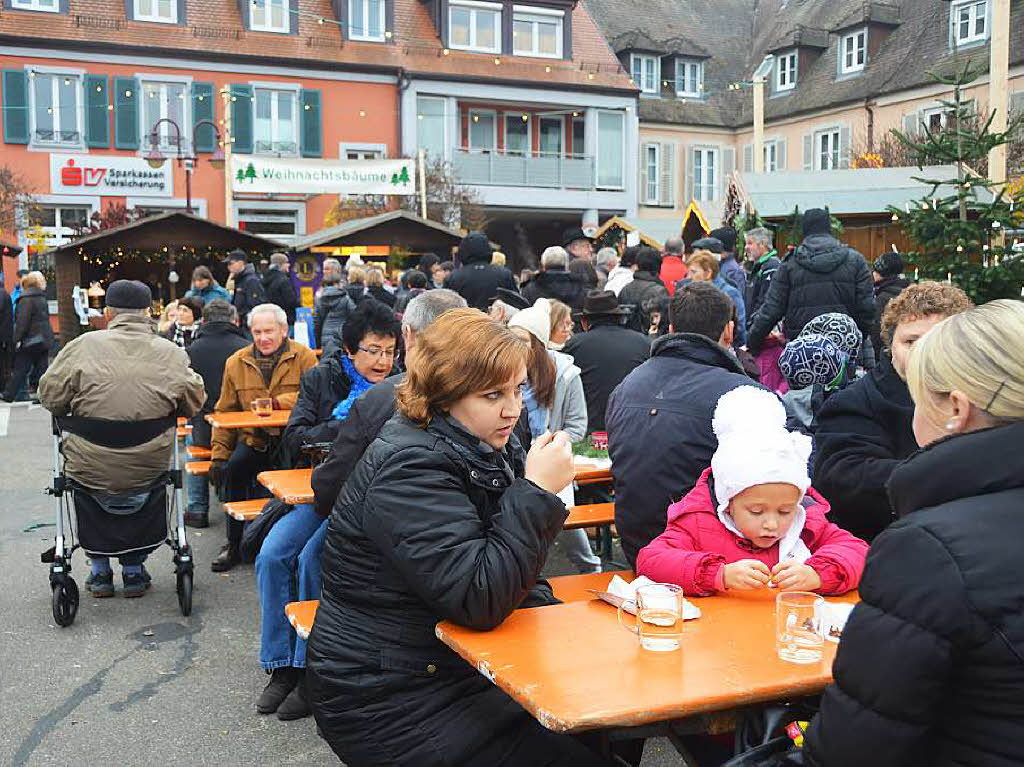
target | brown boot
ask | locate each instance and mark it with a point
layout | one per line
(227, 558)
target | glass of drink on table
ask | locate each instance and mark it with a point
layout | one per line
(798, 622)
(659, 616)
(263, 407)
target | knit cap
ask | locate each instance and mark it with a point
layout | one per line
(536, 319)
(811, 359)
(840, 329)
(889, 264)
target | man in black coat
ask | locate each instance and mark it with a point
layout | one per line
(278, 288)
(764, 262)
(249, 291)
(605, 353)
(822, 276)
(646, 291)
(6, 334)
(331, 308)
(659, 418)
(887, 273)
(218, 338)
(555, 281)
(477, 280)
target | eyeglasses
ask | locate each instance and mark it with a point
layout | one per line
(376, 352)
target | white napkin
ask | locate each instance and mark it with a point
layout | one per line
(833, 619)
(622, 592)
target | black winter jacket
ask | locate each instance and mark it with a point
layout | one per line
(277, 286)
(643, 294)
(209, 350)
(248, 293)
(930, 669)
(659, 430)
(479, 283)
(332, 310)
(32, 320)
(823, 275)
(558, 284)
(761, 274)
(862, 433)
(383, 295)
(605, 355)
(321, 388)
(885, 291)
(432, 525)
(6, 319)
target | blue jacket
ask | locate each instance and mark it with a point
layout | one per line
(735, 275)
(730, 290)
(210, 292)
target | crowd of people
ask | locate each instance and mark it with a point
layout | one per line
(809, 423)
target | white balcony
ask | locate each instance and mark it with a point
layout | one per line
(499, 168)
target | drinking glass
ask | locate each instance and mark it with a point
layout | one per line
(659, 616)
(263, 407)
(798, 626)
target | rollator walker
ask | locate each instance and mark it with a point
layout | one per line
(113, 525)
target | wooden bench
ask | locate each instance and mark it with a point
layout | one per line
(182, 421)
(244, 511)
(590, 515)
(568, 588)
(199, 453)
(198, 468)
(183, 431)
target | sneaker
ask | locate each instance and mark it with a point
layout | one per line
(282, 681)
(197, 519)
(101, 584)
(135, 585)
(296, 705)
(227, 558)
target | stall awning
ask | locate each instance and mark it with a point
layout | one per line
(400, 226)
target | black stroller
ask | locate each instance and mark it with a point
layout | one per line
(114, 525)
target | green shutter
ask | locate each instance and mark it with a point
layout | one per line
(126, 113)
(97, 116)
(202, 109)
(311, 142)
(15, 95)
(241, 118)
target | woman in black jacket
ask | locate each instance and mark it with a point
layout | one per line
(930, 669)
(442, 519)
(33, 336)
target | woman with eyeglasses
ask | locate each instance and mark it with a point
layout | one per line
(370, 338)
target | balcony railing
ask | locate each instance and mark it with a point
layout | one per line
(500, 168)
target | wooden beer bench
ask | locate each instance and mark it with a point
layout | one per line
(198, 453)
(198, 468)
(245, 511)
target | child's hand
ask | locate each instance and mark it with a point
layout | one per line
(794, 576)
(746, 574)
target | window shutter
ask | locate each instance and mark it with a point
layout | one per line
(809, 151)
(644, 148)
(203, 109)
(311, 127)
(780, 156)
(291, 8)
(844, 146)
(910, 124)
(97, 116)
(666, 185)
(129, 10)
(126, 113)
(1016, 103)
(728, 166)
(748, 158)
(15, 84)
(241, 119)
(688, 176)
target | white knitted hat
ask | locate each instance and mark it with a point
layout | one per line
(536, 319)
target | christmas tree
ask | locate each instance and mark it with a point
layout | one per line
(959, 225)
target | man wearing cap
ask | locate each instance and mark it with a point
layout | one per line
(248, 287)
(124, 373)
(477, 280)
(578, 245)
(606, 352)
(887, 274)
(731, 269)
(277, 286)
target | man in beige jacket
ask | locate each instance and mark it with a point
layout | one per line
(124, 373)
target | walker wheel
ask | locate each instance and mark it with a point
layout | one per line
(185, 593)
(65, 602)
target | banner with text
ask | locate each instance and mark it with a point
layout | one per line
(100, 174)
(293, 175)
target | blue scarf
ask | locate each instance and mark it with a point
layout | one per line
(358, 386)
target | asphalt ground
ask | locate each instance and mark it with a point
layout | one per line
(133, 682)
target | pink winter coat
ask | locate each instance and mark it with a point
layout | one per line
(695, 546)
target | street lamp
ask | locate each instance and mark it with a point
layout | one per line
(156, 158)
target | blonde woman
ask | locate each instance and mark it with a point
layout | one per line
(375, 287)
(167, 317)
(33, 336)
(930, 669)
(356, 283)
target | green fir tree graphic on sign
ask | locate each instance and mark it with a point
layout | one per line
(400, 178)
(250, 173)
(240, 176)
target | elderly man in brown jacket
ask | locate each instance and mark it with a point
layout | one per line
(124, 373)
(270, 368)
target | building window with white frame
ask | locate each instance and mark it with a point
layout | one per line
(431, 131)
(366, 20)
(771, 156)
(56, 109)
(611, 138)
(854, 52)
(646, 72)
(270, 16)
(705, 174)
(353, 153)
(517, 134)
(785, 71)
(537, 32)
(49, 6)
(276, 121)
(970, 21)
(166, 101)
(161, 11)
(483, 131)
(474, 26)
(59, 223)
(652, 170)
(551, 136)
(689, 78)
(827, 144)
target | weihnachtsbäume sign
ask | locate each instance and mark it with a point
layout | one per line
(305, 176)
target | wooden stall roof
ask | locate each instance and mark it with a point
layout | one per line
(400, 226)
(626, 226)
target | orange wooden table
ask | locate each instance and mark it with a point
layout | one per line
(590, 515)
(290, 485)
(246, 419)
(589, 474)
(727, 660)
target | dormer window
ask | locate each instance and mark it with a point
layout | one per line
(970, 21)
(474, 26)
(646, 73)
(785, 71)
(270, 16)
(366, 20)
(853, 52)
(49, 6)
(689, 78)
(536, 32)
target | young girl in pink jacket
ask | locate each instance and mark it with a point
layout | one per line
(753, 520)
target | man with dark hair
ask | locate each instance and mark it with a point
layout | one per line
(659, 418)
(277, 286)
(429, 267)
(646, 290)
(477, 280)
(248, 287)
(416, 283)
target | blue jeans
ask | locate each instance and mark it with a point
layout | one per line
(198, 488)
(128, 560)
(293, 543)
